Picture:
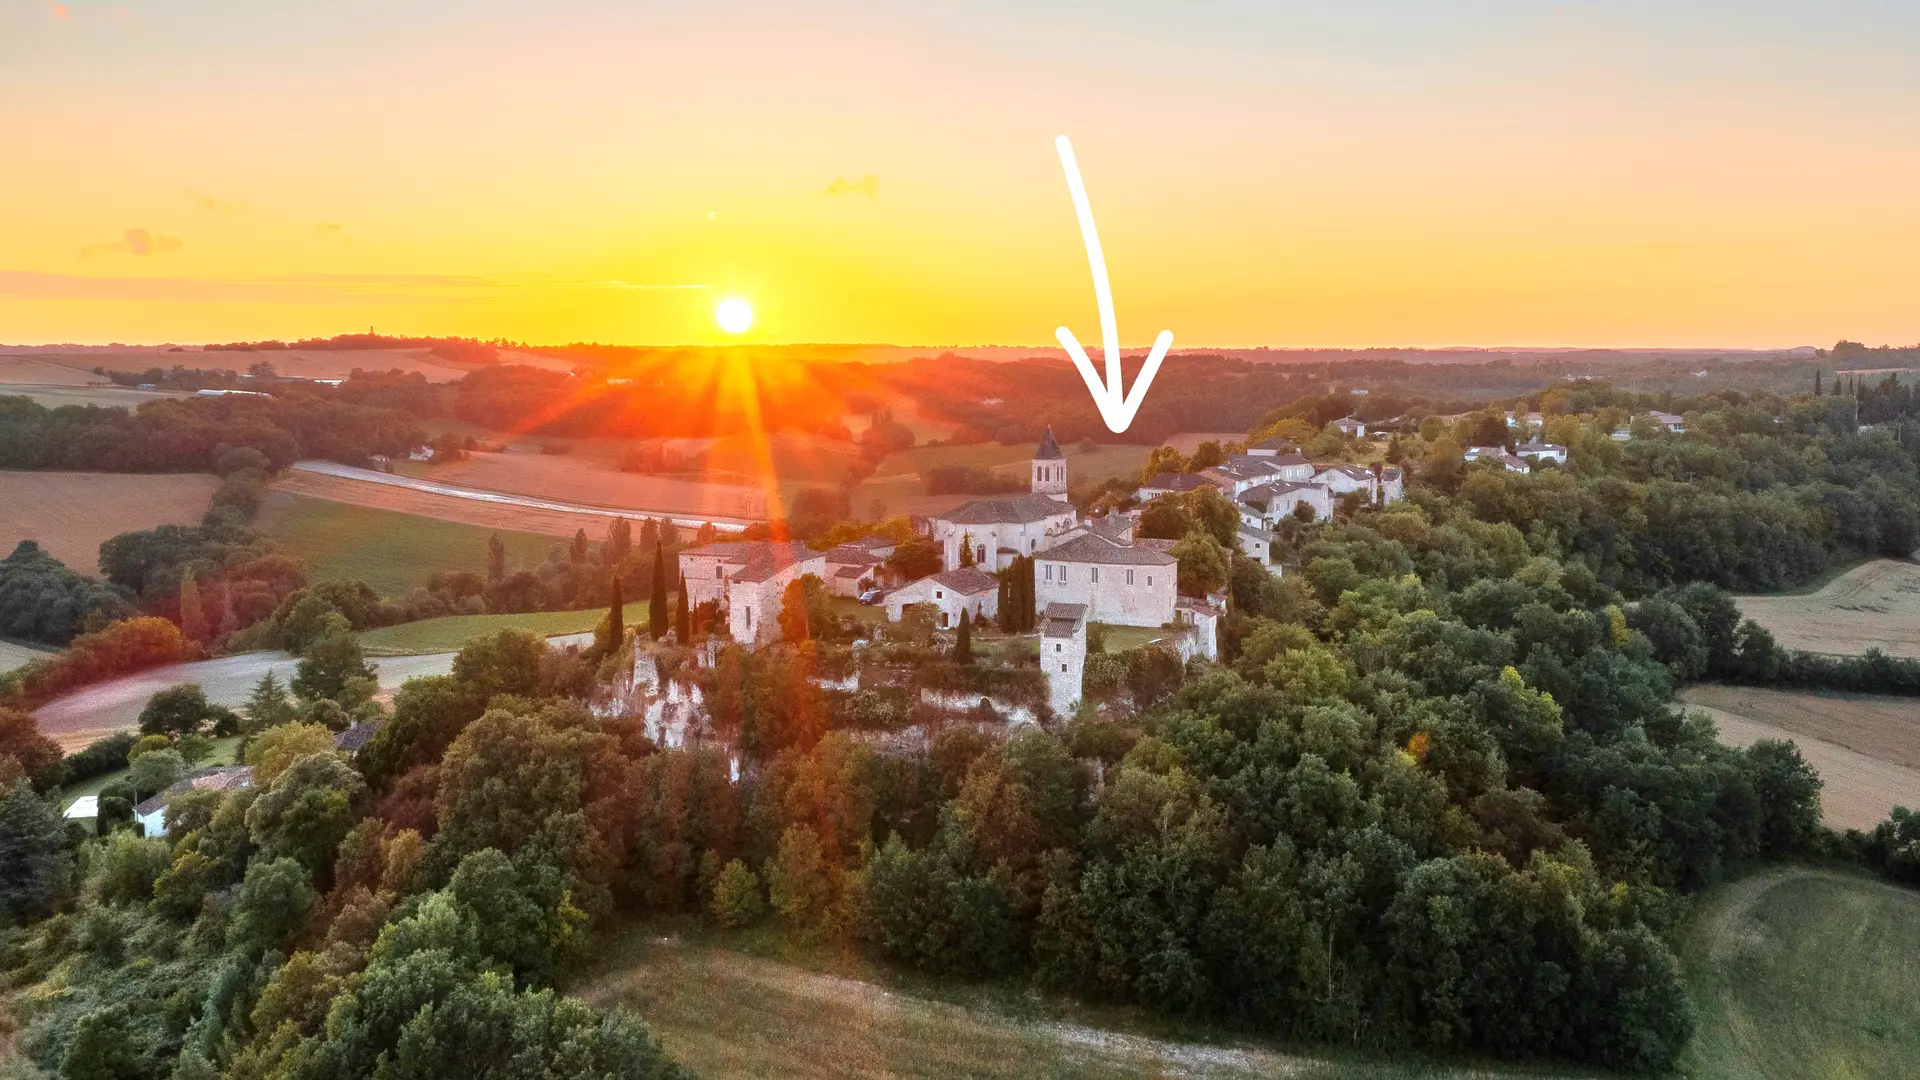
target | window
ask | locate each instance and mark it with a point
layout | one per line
(1093, 575)
(1149, 581)
(719, 572)
(943, 620)
(1049, 571)
(1063, 667)
(1129, 577)
(749, 618)
(1057, 647)
(938, 595)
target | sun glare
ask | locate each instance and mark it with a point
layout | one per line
(734, 315)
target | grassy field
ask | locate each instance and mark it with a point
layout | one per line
(1122, 638)
(224, 751)
(1864, 748)
(72, 513)
(449, 634)
(1805, 975)
(390, 551)
(729, 1013)
(1874, 604)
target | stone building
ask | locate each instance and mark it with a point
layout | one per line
(747, 579)
(949, 593)
(997, 529)
(1063, 654)
(1116, 579)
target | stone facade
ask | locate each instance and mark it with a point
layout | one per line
(1063, 654)
(747, 579)
(1121, 581)
(997, 529)
(949, 593)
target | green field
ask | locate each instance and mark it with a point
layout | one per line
(1122, 638)
(389, 551)
(15, 655)
(224, 751)
(1801, 973)
(731, 1013)
(448, 634)
(1096, 463)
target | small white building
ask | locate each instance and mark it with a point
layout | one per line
(1671, 422)
(1063, 654)
(1347, 425)
(949, 593)
(1498, 453)
(1170, 484)
(1538, 449)
(1271, 448)
(1118, 580)
(1272, 503)
(748, 579)
(1256, 543)
(1201, 618)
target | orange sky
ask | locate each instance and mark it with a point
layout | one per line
(1354, 174)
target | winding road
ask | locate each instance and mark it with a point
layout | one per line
(502, 498)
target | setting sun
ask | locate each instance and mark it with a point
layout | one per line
(734, 315)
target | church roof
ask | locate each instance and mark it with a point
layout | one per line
(1091, 548)
(1048, 450)
(1007, 509)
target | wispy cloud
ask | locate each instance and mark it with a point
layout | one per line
(632, 285)
(868, 185)
(215, 205)
(135, 242)
(332, 230)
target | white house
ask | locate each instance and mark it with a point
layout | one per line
(1271, 448)
(1063, 654)
(1118, 580)
(1167, 483)
(1675, 424)
(1256, 543)
(1270, 503)
(1347, 425)
(997, 529)
(1539, 449)
(747, 579)
(949, 593)
(1202, 620)
(1499, 454)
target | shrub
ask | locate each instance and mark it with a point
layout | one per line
(736, 896)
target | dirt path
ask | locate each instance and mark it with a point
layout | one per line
(1858, 792)
(494, 509)
(88, 714)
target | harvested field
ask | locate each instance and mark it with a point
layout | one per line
(1887, 728)
(71, 514)
(1874, 604)
(46, 371)
(15, 656)
(106, 397)
(1860, 790)
(485, 513)
(562, 478)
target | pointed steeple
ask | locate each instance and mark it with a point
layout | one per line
(1048, 450)
(1049, 468)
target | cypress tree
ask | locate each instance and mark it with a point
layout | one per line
(657, 602)
(1816, 382)
(193, 615)
(963, 643)
(617, 618)
(496, 558)
(683, 618)
(966, 551)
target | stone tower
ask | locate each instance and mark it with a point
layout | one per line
(1063, 654)
(1049, 468)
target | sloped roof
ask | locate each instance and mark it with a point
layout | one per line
(968, 580)
(1091, 548)
(1048, 450)
(1006, 510)
(758, 560)
(1275, 444)
(848, 555)
(213, 778)
(1061, 620)
(357, 736)
(1167, 481)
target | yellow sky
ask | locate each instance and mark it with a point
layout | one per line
(1383, 173)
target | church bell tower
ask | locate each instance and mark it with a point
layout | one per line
(1049, 468)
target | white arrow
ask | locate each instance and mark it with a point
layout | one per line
(1116, 407)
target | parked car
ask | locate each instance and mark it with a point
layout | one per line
(873, 596)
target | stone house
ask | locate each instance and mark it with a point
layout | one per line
(1117, 580)
(949, 593)
(747, 579)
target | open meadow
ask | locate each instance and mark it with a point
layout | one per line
(593, 482)
(1875, 604)
(1801, 974)
(393, 552)
(13, 656)
(72, 513)
(1866, 749)
(451, 633)
(730, 1014)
